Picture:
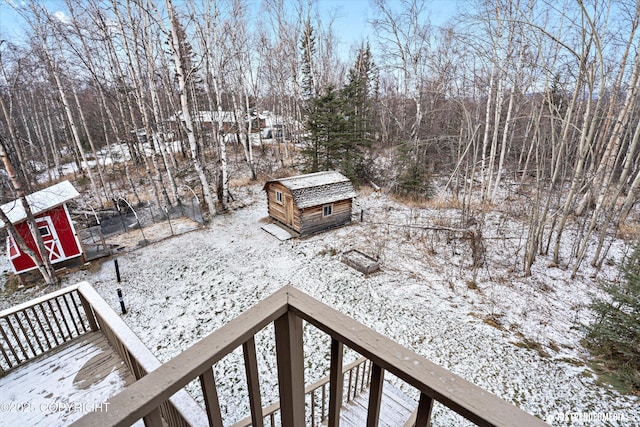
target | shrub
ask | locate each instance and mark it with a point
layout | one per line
(614, 338)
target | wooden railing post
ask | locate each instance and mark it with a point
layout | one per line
(336, 383)
(153, 419)
(425, 405)
(253, 382)
(290, 356)
(210, 394)
(88, 311)
(375, 395)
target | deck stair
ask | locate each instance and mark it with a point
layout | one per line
(395, 408)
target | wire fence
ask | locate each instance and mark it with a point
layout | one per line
(103, 227)
(125, 216)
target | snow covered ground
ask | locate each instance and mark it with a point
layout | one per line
(118, 153)
(425, 297)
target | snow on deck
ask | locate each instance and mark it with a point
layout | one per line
(61, 386)
(40, 201)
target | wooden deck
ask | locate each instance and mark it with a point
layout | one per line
(62, 385)
(395, 408)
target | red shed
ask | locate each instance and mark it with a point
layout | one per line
(54, 224)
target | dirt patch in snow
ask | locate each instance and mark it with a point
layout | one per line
(153, 233)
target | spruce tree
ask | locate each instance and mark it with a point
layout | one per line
(339, 121)
(327, 128)
(358, 95)
(614, 338)
(413, 179)
(308, 49)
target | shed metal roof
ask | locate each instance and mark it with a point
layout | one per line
(318, 188)
(40, 201)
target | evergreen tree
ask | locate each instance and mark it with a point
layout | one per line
(308, 48)
(340, 122)
(413, 179)
(358, 109)
(327, 127)
(615, 336)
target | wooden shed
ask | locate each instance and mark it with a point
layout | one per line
(311, 203)
(54, 225)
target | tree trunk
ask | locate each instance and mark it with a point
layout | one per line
(188, 122)
(42, 263)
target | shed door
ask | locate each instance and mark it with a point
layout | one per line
(288, 209)
(50, 238)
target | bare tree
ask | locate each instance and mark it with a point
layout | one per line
(42, 262)
(183, 74)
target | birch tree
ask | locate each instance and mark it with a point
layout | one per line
(183, 74)
(37, 18)
(42, 263)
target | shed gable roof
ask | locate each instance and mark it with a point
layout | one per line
(318, 188)
(40, 201)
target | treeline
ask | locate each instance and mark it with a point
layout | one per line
(541, 94)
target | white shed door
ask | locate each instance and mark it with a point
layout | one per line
(50, 238)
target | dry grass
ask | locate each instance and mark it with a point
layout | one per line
(440, 202)
(493, 320)
(532, 345)
(286, 173)
(365, 190)
(410, 201)
(443, 222)
(471, 284)
(240, 182)
(629, 231)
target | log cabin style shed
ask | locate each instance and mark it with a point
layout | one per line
(311, 203)
(49, 207)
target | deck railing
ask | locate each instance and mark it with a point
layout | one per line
(180, 409)
(38, 326)
(287, 309)
(356, 379)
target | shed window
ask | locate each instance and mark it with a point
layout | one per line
(327, 210)
(278, 196)
(44, 230)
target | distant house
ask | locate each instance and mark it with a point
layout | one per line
(276, 126)
(210, 120)
(311, 203)
(54, 225)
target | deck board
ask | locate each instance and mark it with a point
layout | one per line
(62, 385)
(395, 408)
